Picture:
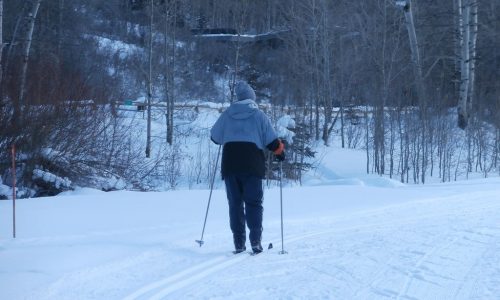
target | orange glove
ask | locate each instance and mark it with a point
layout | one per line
(279, 153)
(280, 148)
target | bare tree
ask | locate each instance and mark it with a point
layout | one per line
(1, 49)
(150, 81)
(13, 40)
(467, 11)
(473, 51)
(407, 8)
(169, 53)
(26, 52)
(310, 43)
(60, 27)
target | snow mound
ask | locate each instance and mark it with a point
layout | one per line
(5, 191)
(79, 191)
(337, 166)
(48, 177)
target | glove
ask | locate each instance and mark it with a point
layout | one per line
(280, 157)
(279, 153)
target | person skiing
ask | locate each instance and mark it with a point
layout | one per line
(245, 132)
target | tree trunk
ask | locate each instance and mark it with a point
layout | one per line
(419, 79)
(169, 72)
(26, 53)
(497, 150)
(457, 21)
(464, 11)
(150, 83)
(367, 140)
(1, 51)
(473, 42)
(13, 40)
(326, 76)
(60, 29)
(415, 53)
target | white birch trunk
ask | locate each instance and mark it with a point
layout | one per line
(464, 15)
(473, 42)
(26, 51)
(417, 70)
(415, 53)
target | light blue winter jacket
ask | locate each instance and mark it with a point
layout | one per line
(243, 121)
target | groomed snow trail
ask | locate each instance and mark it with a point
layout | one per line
(428, 249)
(343, 242)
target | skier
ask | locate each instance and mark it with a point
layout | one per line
(245, 131)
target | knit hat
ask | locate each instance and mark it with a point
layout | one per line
(244, 91)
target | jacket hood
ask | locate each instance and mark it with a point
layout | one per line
(242, 109)
(244, 91)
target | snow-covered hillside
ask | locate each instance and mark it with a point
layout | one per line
(348, 236)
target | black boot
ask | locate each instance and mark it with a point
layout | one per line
(257, 247)
(239, 244)
(239, 250)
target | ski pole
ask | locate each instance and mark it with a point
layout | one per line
(200, 241)
(281, 207)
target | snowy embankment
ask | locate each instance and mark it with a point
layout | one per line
(348, 236)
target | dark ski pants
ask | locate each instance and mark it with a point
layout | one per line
(244, 194)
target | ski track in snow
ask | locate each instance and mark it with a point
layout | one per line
(440, 251)
(185, 277)
(433, 248)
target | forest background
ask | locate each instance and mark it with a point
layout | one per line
(415, 84)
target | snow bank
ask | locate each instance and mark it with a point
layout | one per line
(48, 177)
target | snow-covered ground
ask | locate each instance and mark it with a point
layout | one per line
(348, 236)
